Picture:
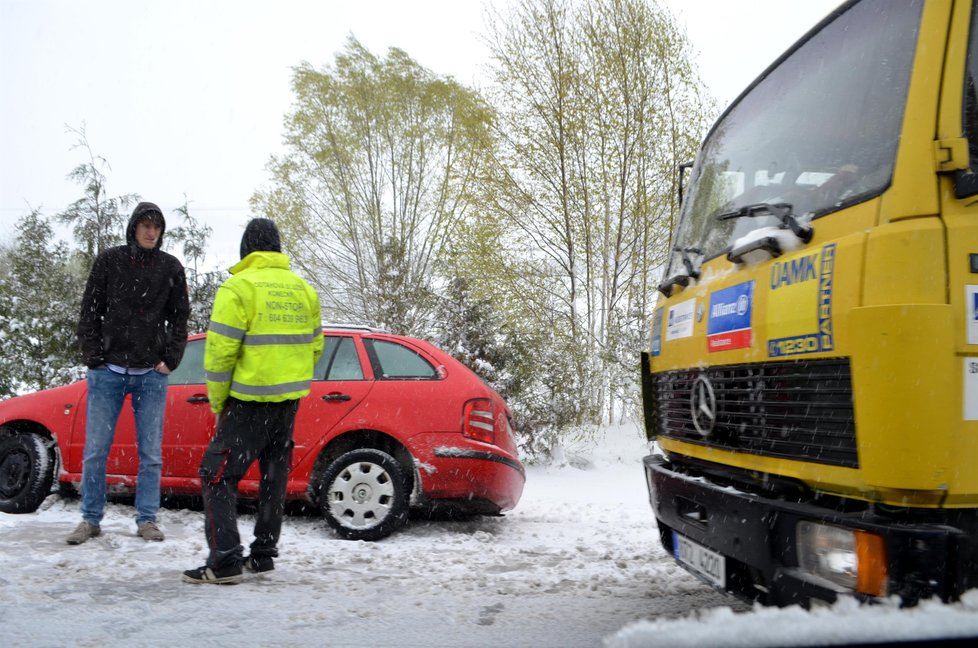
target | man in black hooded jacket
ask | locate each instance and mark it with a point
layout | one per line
(132, 332)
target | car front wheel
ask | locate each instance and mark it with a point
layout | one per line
(364, 495)
(26, 472)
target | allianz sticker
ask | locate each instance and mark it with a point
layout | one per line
(971, 306)
(971, 389)
(679, 320)
(729, 326)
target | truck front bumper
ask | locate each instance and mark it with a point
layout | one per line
(757, 536)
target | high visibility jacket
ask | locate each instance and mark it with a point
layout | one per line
(265, 333)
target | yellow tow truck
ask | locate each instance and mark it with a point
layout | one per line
(811, 382)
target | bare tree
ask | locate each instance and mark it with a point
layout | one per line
(597, 103)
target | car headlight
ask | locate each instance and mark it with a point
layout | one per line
(853, 560)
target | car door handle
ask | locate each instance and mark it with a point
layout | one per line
(197, 399)
(337, 397)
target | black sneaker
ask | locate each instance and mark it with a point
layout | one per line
(224, 576)
(258, 564)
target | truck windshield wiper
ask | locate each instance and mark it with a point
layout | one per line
(680, 279)
(684, 253)
(675, 280)
(781, 211)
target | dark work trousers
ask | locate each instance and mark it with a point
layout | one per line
(247, 431)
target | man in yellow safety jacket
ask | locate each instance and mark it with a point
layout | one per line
(264, 339)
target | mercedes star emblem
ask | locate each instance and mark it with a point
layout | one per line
(703, 403)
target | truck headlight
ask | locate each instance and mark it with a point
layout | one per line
(853, 560)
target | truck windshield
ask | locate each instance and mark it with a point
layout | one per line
(818, 132)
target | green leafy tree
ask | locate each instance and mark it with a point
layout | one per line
(39, 302)
(370, 194)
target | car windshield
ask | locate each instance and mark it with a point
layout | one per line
(818, 133)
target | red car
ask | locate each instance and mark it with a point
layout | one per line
(392, 423)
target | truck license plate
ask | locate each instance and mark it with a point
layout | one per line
(706, 563)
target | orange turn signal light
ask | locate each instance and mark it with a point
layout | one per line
(871, 561)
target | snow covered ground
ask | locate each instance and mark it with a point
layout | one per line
(577, 563)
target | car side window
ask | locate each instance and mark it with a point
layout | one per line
(397, 362)
(191, 369)
(339, 360)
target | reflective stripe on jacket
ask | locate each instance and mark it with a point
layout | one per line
(265, 334)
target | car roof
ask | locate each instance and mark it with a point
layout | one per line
(351, 328)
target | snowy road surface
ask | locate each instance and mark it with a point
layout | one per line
(577, 563)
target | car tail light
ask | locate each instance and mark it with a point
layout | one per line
(478, 421)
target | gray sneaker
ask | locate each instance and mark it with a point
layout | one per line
(83, 532)
(149, 531)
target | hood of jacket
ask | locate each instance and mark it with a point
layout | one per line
(145, 210)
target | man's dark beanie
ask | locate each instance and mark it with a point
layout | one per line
(261, 235)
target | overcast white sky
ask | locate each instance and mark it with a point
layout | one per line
(187, 97)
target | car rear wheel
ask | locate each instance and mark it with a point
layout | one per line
(26, 472)
(364, 495)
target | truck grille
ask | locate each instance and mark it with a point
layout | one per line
(794, 410)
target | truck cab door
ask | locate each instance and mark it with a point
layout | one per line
(956, 151)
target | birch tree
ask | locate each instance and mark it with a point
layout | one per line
(597, 104)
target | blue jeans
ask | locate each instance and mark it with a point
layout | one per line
(106, 393)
